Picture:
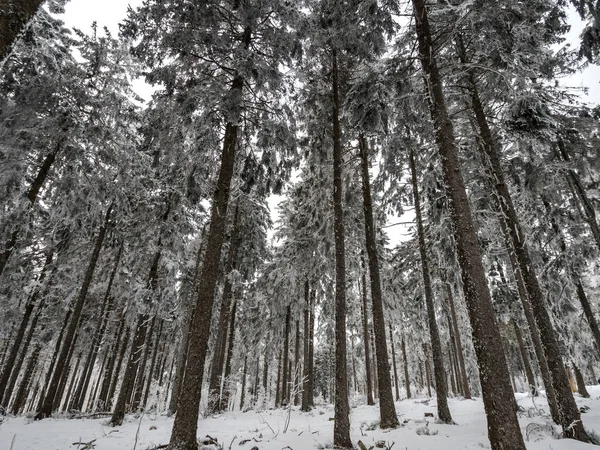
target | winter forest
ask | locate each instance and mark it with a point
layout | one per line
(227, 253)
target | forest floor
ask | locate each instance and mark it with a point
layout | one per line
(313, 430)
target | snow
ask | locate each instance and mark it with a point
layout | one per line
(313, 430)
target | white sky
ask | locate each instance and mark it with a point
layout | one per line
(81, 14)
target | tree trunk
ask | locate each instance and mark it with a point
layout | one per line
(183, 436)
(341, 425)
(498, 398)
(9, 365)
(127, 385)
(14, 16)
(278, 389)
(228, 357)
(110, 366)
(218, 360)
(39, 180)
(406, 378)
(454, 357)
(297, 365)
(366, 338)
(525, 358)
(21, 396)
(138, 385)
(311, 351)
(580, 383)
(387, 410)
(243, 394)
(305, 373)
(150, 373)
(394, 364)
(570, 417)
(441, 384)
(115, 374)
(107, 306)
(286, 355)
(459, 349)
(63, 359)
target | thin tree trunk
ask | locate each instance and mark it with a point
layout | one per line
(278, 384)
(218, 359)
(115, 373)
(341, 425)
(454, 358)
(503, 428)
(243, 394)
(9, 366)
(36, 184)
(525, 358)
(387, 410)
(63, 359)
(366, 338)
(406, 378)
(297, 365)
(286, 355)
(112, 359)
(138, 385)
(185, 426)
(580, 383)
(459, 348)
(394, 364)
(311, 351)
(150, 373)
(570, 417)
(106, 309)
(21, 395)
(441, 384)
(305, 374)
(228, 357)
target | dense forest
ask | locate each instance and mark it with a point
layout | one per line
(140, 268)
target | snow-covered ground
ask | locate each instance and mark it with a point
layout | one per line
(314, 430)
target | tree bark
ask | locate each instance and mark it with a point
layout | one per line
(305, 373)
(26, 380)
(441, 384)
(218, 360)
(341, 425)
(228, 357)
(394, 364)
(525, 358)
(580, 383)
(387, 410)
(503, 428)
(110, 365)
(366, 338)
(243, 394)
(406, 378)
(63, 359)
(286, 356)
(570, 417)
(297, 365)
(14, 16)
(185, 426)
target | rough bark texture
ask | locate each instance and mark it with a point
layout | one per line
(580, 383)
(305, 373)
(394, 364)
(503, 428)
(441, 384)
(459, 349)
(286, 357)
(525, 358)
(224, 400)
(296, 376)
(341, 426)
(406, 378)
(14, 15)
(63, 359)
(366, 339)
(387, 410)
(570, 417)
(218, 360)
(185, 426)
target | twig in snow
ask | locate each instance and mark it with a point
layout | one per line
(13, 441)
(137, 433)
(234, 438)
(86, 445)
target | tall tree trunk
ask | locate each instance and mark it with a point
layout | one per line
(278, 384)
(441, 384)
(138, 384)
(150, 374)
(366, 338)
(26, 380)
(394, 364)
(305, 373)
(63, 359)
(525, 358)
(570, 417)
(228, 357)
(185, 426)
(286, 356)
(406, 378)
(117, 370)
(297, 365)
(110, 366)
(503, 428)
(311, 351)
(243, 394)
(341, 425)
(387, 410)
(106, 309)
(9, 364)
(459, 349)
(36, 184)
(137, 347)
(218, 360)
